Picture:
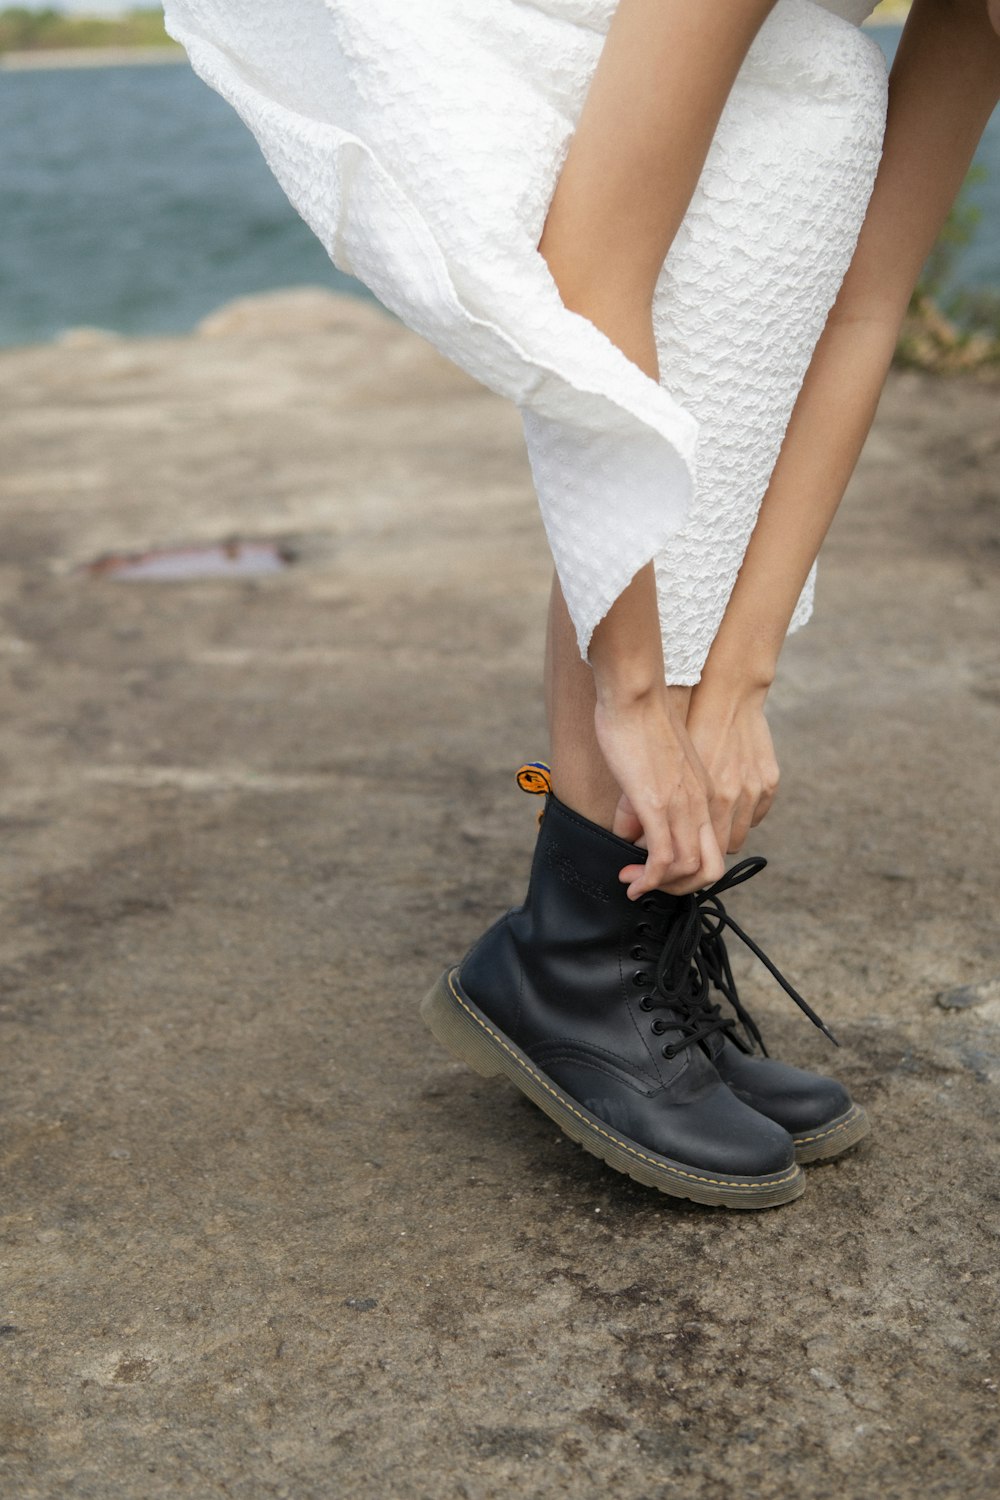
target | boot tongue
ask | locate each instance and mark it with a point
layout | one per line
(713, 1044)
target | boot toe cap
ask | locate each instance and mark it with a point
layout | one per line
(793, 1097)
(720, 1133)
(707, 1130)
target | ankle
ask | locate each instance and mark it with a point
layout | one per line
(589, 792)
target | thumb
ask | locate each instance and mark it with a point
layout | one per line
(722, 824)
(712, 856)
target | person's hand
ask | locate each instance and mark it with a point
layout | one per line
(732, 737)
(665, 793)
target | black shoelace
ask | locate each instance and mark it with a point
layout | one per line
(714, 959)
(692, 957)
(680, 983)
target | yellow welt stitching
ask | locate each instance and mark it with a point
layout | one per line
(743, 1187)
(803, 1140)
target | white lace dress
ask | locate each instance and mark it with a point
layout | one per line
(422, 139)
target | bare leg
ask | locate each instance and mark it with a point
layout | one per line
(634, 161)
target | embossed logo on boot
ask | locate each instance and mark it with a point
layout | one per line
(566, 870)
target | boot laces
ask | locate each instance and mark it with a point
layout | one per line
(692, 958)
(713, 957)
(680, 984)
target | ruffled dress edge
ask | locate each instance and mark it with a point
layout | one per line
(555, 365)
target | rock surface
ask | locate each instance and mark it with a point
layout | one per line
(261, 1237)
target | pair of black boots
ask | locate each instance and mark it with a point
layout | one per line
(599, 1009)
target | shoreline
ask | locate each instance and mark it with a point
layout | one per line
(928, 340)
(52, 58)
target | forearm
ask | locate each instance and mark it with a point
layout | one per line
(635, 157)
(824, 439)
(633, 163)
(945, 83)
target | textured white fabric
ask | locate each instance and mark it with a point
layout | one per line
(422, 140)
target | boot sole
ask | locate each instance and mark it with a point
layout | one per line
(471, 1036)
(832, 1139)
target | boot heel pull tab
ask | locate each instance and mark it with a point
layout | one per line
(535, 777)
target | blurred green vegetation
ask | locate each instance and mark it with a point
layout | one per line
(946, 329)
(24, 30)
(890, 13)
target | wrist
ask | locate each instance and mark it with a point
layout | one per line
(631, 688)
(744, 675)
(734, 688)
(626, 656)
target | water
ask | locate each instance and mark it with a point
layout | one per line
(134, 199)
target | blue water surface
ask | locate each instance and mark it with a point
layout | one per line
(133, 198)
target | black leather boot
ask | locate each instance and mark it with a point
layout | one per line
(578, 1001)
(817, 1112)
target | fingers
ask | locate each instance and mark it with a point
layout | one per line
(741, 822)
(736, 810)
(684, 856)
(764, 805)
(665, 794)
(711, 868)
(722, 821)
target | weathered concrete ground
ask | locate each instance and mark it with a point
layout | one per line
(260, 1236)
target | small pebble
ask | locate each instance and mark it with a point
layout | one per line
(967, 996)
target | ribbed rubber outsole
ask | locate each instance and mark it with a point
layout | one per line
(833, 1138)
(464, 1031)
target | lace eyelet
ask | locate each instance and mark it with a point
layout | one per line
(647, 903)
(640, 978)
(638, 951)
(646, 1002)
(643, 929)
(669, 1052)
(658, 1027)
